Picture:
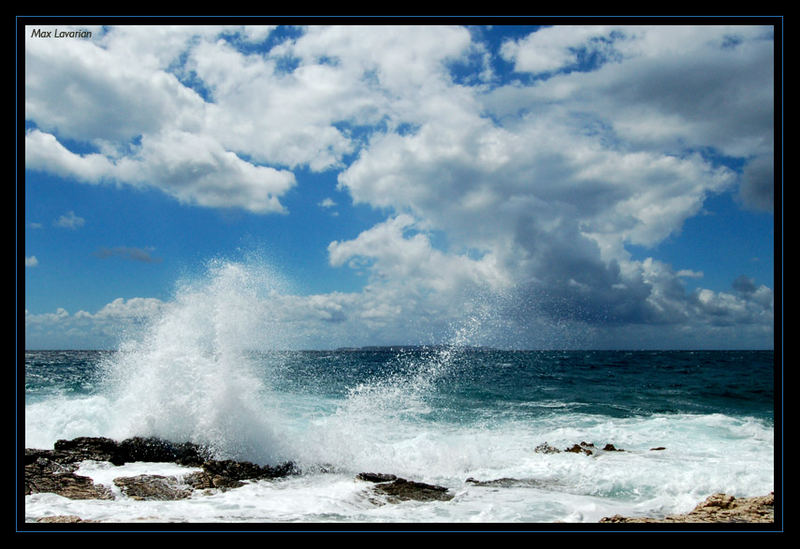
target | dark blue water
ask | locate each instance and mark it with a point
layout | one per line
(612, 383)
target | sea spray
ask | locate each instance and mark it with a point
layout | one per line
(189, 376)
(385, 423)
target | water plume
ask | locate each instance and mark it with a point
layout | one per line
(190, 375)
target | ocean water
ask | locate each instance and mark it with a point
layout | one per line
(439, 415)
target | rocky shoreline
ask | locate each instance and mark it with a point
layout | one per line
(53, 471)
(716, 508)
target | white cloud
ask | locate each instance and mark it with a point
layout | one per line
(537, 185)
(553, 48)
(69, 221)
(31, 261)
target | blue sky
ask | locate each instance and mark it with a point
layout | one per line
(598, 186)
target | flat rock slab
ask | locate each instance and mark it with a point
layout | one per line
(397, 489)
(153, 487)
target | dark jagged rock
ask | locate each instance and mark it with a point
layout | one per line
(45, 475)
(399, 489)
(579, 449)
(90, 448)
(404, 490)
(153, 487)
(53, 470)
(376, 477)
(244, 470)
(589, 449)
(131, 449)
(159, 450)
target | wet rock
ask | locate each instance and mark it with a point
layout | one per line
(545, 448)
(581, 448)
(158, 450)
(397, 489)
(45, 475)
(716, 508)
(153, 487)
(131, 449)
(507, 482)
(376, 477)
(245, 470)
(590, 449)
(658, 448)
(53, 470)
(90, 448)
(404, 490)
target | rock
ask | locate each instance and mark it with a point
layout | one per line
(131, 449)
(94, 448)
(589, 449)
(45, 475)
(63, 519)
(399, 489)
(580, 449)
(507, 482)
(244, 470)
(376, 477)
(404, 490)
(53, 470)
(657, 449)
(153, 487)
(158, 450)
(716, 508)
(545, 448)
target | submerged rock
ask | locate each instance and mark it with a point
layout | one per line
(716, 508)
(399, 489)
(507, 482)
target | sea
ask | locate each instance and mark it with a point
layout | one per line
(475, 420)
(440, 415)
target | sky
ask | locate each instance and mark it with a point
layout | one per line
(603, 185)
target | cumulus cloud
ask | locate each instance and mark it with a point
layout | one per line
(147, 127)
(606, 137)
(31, 261)
(84, 330)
